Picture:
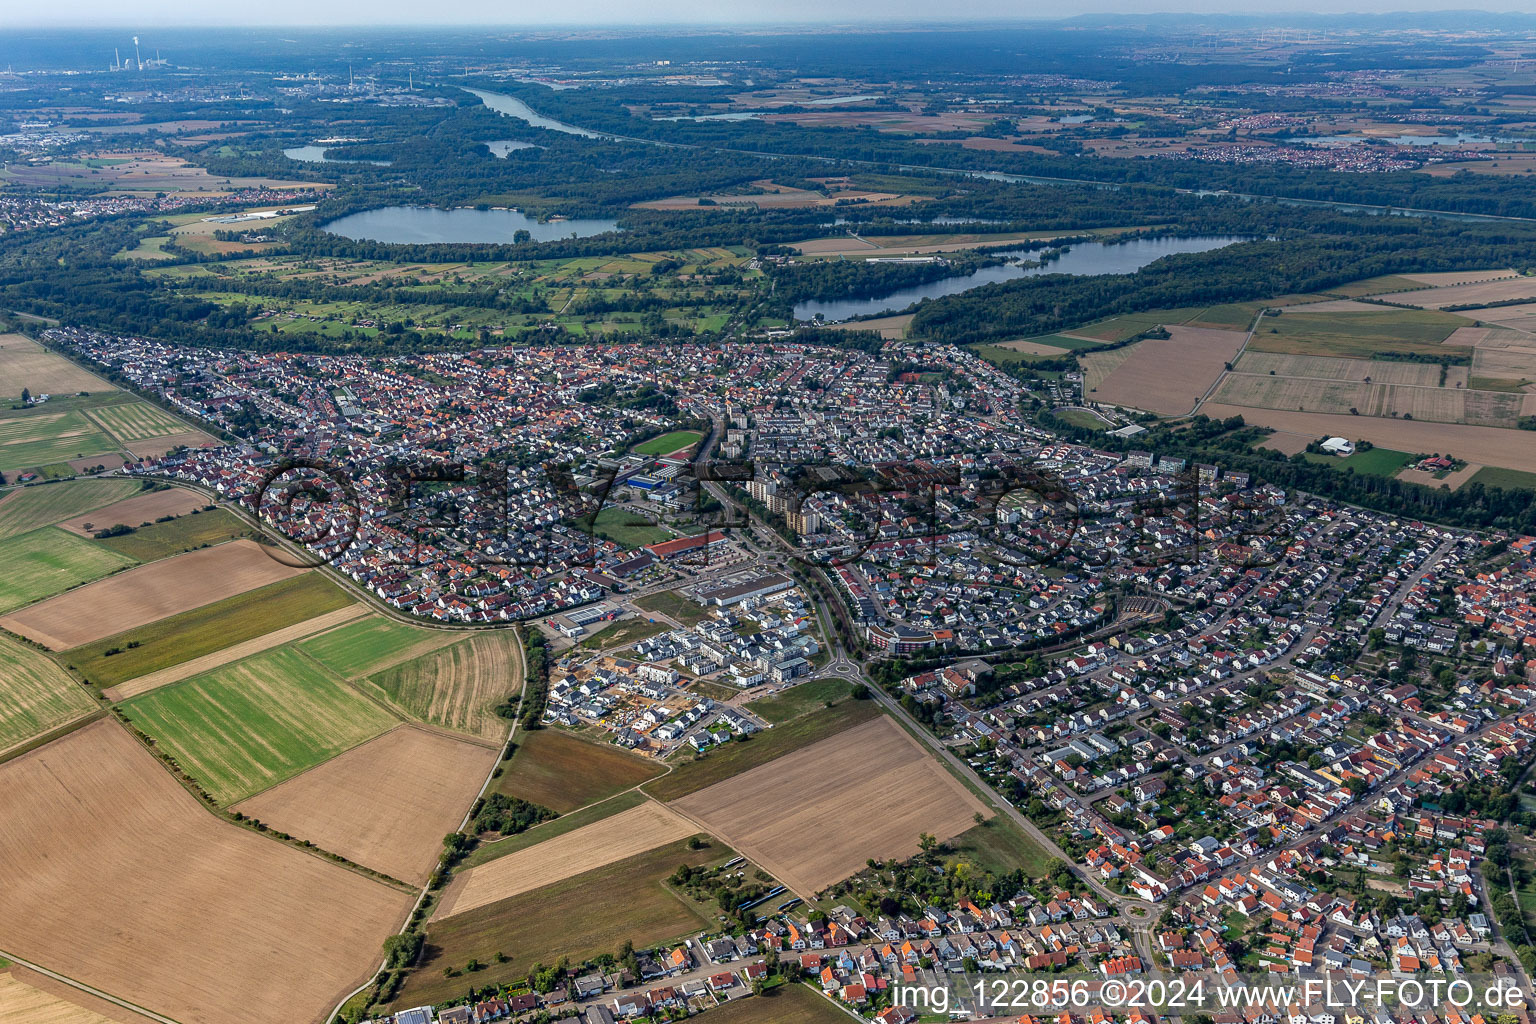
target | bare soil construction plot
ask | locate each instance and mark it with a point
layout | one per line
(1169, 376)
(1475, 294)
(209, 662)
(26, 364)
(603, 842)
(160, 903)
(135, 511)
(813, 817)
(148, 593)
(386, 804)
(1511, 449)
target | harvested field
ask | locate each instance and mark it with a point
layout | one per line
(1441, 405)
(209, 662)
(374, 643)
(563, 772)
(791, 815)
(148, 593)
(35, 695)
(1331, 306)
(615, 838)
(1478, 294)
(243, 728)
(135, 421)
(26, 364)
(1485, 444)
(458, 687)
(1097, 367)
(1266, 392)
(20, 1003)
(1170, 376)
(130, 511)
(1444, 279)
(213, 627)
(160, 903)
(1032, 347)
(27, 508)
(47, 562)
(386, 804)
(1359, 335)
(890, 327)
(1289, 444)
(1329, 368)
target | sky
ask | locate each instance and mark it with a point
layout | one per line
(698, 13)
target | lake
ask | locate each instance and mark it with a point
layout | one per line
(316, 155)
(1460, 139)
(501, 147)
(1086, 258)
(426, 225)
(511, 106)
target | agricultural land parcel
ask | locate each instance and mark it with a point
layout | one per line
(562, 772)
(26, 364)
(35, 695)
(28, 508)
(49, 561)
(160, 903)
(457, 687)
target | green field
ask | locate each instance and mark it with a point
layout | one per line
(245, 727)
(50, 561)
(784, 1004)
(668, 443)
(999, 846)
(28, 508)
(720, 763)
(799, 700)
(210, 628)
(674, 604)
(135, 421)
(564, 773)
(35, 694)
(556, 827)
(1358, 335)
(366, 645)
(44, 435)
(622, 633)
(458, 686)
(1080, 418)
(577, 917)
(999, 356)
(184, 533)
(1508, 479)
(1376, 462)
(627, 529)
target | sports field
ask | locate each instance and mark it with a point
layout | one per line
(623, 900)
(791, 815)
(40, 437)
(143, 595)
(563, 772)
(161, 903)
(668, 442)
(386, 804)
(181, 638)
(26, 364)
(245, 727)
(47, 562)
(374, 643)
(28, 508)
(35, 695)
(458, 687)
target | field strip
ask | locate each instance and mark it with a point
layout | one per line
(197, 666)
(24, 1003)
(615, 838)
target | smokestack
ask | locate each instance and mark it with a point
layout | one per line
(136, 59)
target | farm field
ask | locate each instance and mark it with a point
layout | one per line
(137, 421)
(1355, 334)
(41, 436)
(27, 508)
(1334, 368)
(208, 662)
(49, 561)
(1486, 444)
(145, 594)
(614, 838)
(790, 815)
(1471, 294)
(1376, 462)
(386, 804)
(245, 727)
(373, 643)
(544, 830)
(622, 900)
(1447, 278)
(688, 776)
(35, 695)
(668, 442)
(1169, 376)
(1493, 476)
(160, 903)
(458, 687)
(21, 1003)
(1128, 325)
(26, 364)
(187, 533)
(220, 626)
(563, 772)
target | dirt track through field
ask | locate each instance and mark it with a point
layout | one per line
(208, 662)
(118, 878)
(386, 804)
(625, 834)
(147, 594)
(813, 817)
